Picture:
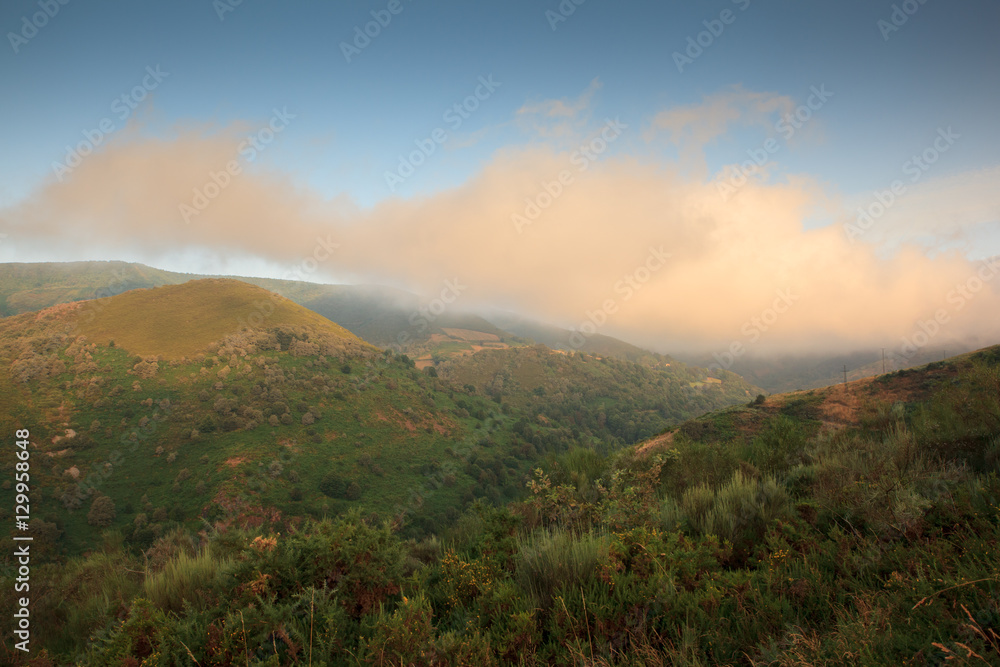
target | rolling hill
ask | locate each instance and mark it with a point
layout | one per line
(382, 316)
(218, 400)
(179, 320)
(852, 524)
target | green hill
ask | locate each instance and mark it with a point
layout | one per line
(562, 339)
(26, 287)
(220, 391)
(379, 315)
(855, 524)
(604, 401)
(179, 320)
(179, 399)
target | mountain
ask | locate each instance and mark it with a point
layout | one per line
(178, 320)
(382, 316)
(606, 402)
(218, 400)
(564, 339)
(393, 318)
(794, 372)
(182, 400)
(26, 287)
(852, 523)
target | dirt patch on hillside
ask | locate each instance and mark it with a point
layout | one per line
(836, 407)
(235, 461)
(397, 418)
(844, 405)
(659, 442)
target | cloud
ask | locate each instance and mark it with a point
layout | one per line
(691, 128)
(949, 210)
(558, 119)
(728, 262)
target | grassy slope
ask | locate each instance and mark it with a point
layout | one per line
(851, 525)
(26, 287)
(376, 314)
(559, 339)
(378, 422)
(180, 320)
(373, 414)
(825, 409)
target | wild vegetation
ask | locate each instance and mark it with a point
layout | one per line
(217, 401)
(852, 525)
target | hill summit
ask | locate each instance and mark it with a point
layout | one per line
(177, 320)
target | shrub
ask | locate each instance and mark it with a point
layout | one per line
(332, 486)
(554, 560)
(776, 447)
(739, 511)
(403, 637)
(102, 512)
(185, 580)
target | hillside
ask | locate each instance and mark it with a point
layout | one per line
(856, 524)
(381, 316)
(223, 391)
(810, 371)
(179, 320)
(27, 287)
(605, 401)
(163, 400)
(562, 339)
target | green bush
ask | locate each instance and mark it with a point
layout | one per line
(102, 512)
(550, 561)
(333, 486)
(186, 580)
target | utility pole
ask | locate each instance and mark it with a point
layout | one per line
(883, 361)
(845, 374)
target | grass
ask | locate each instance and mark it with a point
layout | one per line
(184, 580)
(773, 542)
(175, 321)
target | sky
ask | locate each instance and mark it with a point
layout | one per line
(729, 175)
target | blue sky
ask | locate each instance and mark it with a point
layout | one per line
(227, 71)
(939, 69)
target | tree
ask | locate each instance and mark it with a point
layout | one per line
(102, 512)
(332, 486)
